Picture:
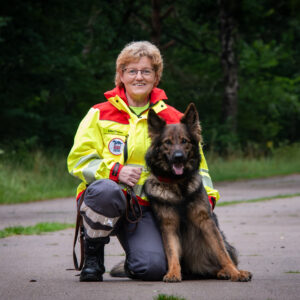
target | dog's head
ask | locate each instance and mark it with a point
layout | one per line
(174, 150)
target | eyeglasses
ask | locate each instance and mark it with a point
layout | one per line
(134, 72)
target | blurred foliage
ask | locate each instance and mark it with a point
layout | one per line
(57, 58)
(32, 176)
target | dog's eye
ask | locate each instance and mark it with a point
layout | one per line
(168, 142)
(184, 141)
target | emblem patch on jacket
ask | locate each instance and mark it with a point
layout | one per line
(116, 146)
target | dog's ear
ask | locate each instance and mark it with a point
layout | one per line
(155, 124)
(191, 120)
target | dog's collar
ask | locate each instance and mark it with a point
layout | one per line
(167, 179)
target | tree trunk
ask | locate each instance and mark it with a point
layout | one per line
(228, 33)
(156, 22)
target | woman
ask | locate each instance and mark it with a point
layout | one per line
(108, 156)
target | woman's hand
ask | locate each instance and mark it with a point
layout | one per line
(130, 175)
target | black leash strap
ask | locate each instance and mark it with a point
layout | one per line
(132, 206)
(79, 228)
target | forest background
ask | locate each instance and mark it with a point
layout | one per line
(238, 61)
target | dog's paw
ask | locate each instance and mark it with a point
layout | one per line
(234, 275)
(223, 274)
(245, 276)
(171, 277)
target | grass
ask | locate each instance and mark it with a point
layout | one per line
(39, 228)
(292, 272)
(282, 161)
(167, 297)
(258, 199)
(35, 176)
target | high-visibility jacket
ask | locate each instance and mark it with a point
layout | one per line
(111, 136)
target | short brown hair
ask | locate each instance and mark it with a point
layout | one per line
(133, 52)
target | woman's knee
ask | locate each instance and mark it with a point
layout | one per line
(147, 266)
(105, 197)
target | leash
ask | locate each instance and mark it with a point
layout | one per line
(79, 228)
(133, 207)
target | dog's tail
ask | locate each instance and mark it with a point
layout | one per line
(118, 270)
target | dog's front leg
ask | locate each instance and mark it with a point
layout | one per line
(170, 229)
(172, 249)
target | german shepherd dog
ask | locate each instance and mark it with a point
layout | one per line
(193, 242)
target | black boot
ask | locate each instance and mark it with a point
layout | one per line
(93, 267)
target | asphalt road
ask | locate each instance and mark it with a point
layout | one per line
(266, 235)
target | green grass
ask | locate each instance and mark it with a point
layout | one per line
(36, 229)
(167, 297)
(34, 176)
(292, 272)
(283, 161)
(40, 228)
(258, 199)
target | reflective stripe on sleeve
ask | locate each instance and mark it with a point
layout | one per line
(206, 178)
(90, 171)
(207, 181)
(86, 158)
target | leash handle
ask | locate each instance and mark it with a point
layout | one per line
(133, 206)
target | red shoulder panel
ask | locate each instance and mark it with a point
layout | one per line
(110, 113)
(171, 115)
(155, 96)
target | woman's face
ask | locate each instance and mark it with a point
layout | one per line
(139, 79)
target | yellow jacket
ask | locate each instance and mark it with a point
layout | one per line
(111, 136)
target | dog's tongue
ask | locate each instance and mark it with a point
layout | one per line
(178, 169)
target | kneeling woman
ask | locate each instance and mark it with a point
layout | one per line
(108, 156)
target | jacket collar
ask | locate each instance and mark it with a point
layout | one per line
(155, 96)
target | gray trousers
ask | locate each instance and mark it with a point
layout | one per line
(103, 212)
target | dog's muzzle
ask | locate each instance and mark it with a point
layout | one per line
(178, 159)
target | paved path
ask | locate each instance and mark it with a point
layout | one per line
(266, 234)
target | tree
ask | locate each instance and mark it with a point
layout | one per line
(228, 39)
(238, 61)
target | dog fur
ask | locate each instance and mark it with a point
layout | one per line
(193, 242)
